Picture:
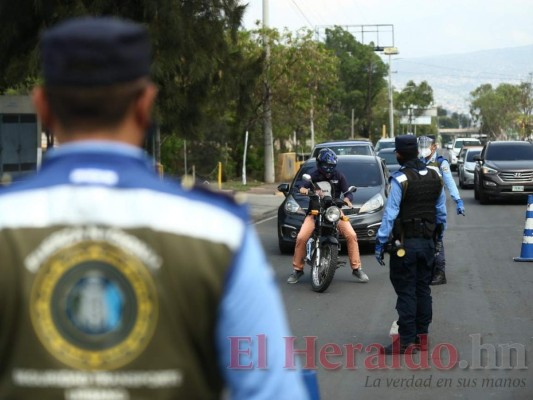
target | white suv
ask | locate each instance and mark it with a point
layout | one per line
(385, 143)
(458, 144)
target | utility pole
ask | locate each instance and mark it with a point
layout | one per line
(267, 109)
(353, 121)
(312, 123)
(390, 51)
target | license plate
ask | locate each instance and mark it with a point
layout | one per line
(517, 189)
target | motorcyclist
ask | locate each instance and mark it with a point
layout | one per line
(332, 183)
(427, 152)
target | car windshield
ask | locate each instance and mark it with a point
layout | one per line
(386, 145)
(462, 143)
(510, 152)
(351, 149)
(360, 174)
(390, 158)
(470, 155)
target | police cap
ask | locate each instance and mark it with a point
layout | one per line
(406, 144)
(95, 51)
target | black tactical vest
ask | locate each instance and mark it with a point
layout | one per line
(420, 194)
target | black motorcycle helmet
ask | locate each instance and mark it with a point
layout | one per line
(326, 162)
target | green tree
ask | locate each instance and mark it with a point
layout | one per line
(303, 75)
(203, 79)
(496, 109)
(525, 105)
(190, 47)
(415, 97)
(362, 79)
(413, 100)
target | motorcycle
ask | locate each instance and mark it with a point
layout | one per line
(323, 246)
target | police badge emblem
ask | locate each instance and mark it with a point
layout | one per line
(94, 306)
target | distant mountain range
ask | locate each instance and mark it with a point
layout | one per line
(454, 76)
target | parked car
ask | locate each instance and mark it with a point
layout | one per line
(367, 173)
(504, 170)
(346, 147)
(458, 144)
(385, 143)
(389, 156)
(466, 165)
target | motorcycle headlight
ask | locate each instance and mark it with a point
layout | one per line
(333, 214)
(291, 205)
(489, 171)
(372, 205)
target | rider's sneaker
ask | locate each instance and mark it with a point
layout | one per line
(360, 275)
(295, 276)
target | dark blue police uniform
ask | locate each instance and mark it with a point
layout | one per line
(414, 209)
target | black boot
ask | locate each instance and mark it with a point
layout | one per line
(399, 348)
(439, 278)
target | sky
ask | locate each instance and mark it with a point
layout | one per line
(417, 28)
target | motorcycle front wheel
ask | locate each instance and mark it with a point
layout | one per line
(323, 268)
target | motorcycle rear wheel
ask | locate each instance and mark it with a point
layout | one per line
(322, 272)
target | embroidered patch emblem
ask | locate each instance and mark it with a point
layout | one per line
(94, 306)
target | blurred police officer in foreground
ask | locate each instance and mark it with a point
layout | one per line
(115, 284)
(414, 215)
(427, 152)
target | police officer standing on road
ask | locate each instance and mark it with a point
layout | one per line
(414, 210)
(427, 151)
(116, 284)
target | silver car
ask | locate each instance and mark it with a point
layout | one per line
(466, 166)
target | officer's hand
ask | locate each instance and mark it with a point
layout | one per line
(460, 207)
(304, 190)
(379, 252)
(348, 202)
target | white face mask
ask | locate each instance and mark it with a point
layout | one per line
(424, 152)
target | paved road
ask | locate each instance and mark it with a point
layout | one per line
(484, 313)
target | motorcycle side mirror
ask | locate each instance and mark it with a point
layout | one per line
(351, 189)
(306, 177)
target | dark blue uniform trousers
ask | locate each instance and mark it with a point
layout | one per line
(440, 260)
(410, 276)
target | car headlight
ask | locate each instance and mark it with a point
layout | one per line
(372, 205)
(333, 214)
(488, 170)
(291, 205)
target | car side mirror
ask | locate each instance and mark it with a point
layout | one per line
(284, 188)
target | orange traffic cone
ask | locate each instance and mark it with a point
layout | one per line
(526, 253)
